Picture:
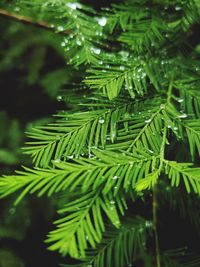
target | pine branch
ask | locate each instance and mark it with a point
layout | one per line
(155, 222)
(28, 21)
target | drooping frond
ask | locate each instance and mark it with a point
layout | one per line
(190, 98)
(84, 223)
(119, 247)
(187, 86)
(186, 204)
(180, 258)
(192, 128)
(123, 171)
(183, 173)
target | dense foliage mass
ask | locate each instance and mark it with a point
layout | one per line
(131, 133)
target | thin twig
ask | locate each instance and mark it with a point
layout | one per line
(154, 207)
(29, 21)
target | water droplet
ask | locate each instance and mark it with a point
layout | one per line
(66, 40)
(60, 28)
(63, 44)
(147, 121)
(17, 9)
(183, 116)
(162, 106)
(78, 42)
(122, 68)
(124, 54)
(168, 188)
(112, 202)
(148, 224)
(96, 50)
(70, 157)
(56, 161)
(177, 8)
(73, 5)
(180, 100)
(102, 21)
(115, 177)
(141, 229)
(113, 135)
(101, 121)
(59, 98)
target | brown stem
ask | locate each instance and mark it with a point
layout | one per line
(29, 21)
(154, 207)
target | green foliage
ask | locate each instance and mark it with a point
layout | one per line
(120, 246)
(137, 102)
(10, 140)
(178, 257)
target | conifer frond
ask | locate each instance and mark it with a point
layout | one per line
(83, 225)
(189, 97)
(125, 15)
(183, 173)
(112, 79)
(192, 128)
(119, 247)
(148, 182)
(75, 134)
(180, 258)
(124, 171)
(143, 35)
(186, 204)
(147, 133)
(132, 76)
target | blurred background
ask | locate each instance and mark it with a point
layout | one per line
(32, 71)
